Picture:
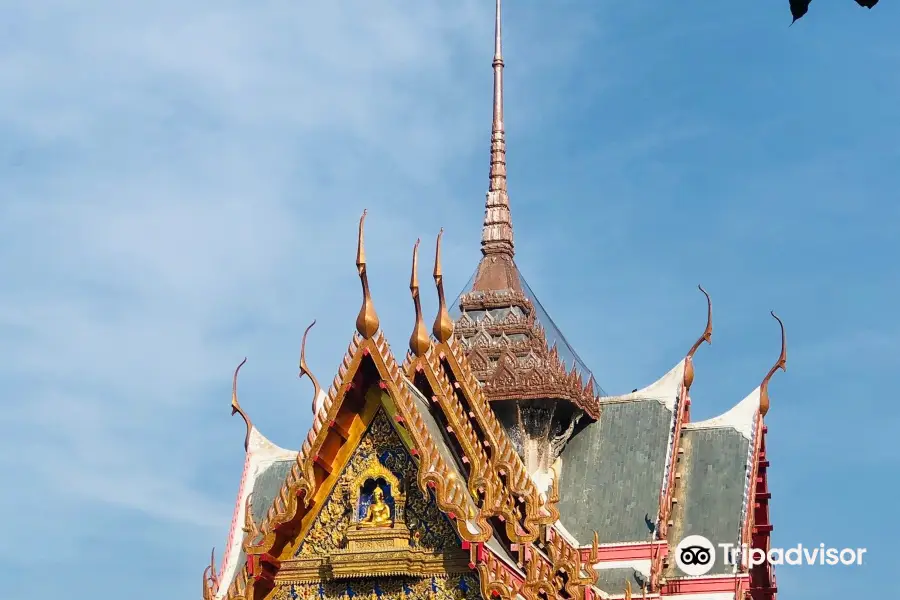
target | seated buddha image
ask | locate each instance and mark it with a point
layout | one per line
(378, 514)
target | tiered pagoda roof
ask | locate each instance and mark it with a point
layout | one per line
(548, 487)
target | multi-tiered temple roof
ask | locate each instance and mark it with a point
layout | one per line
(490, 463)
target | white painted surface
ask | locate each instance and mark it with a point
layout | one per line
(261, 453)
(741, 417)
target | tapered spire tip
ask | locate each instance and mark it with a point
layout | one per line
(497, 233)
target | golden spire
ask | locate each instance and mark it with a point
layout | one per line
(781, 364)
(706, 337)
(367, 321)
(419, 340)
(236, 406)
(443, 324)
(497, 232)
(627, 590)
(304, 369)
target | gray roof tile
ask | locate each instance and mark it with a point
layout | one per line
(612, 472)
(711, 491)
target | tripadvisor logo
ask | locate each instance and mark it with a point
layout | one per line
(695, 555)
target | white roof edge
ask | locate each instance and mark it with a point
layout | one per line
(319, 402)
(261, 447)
(664, 390)
(261, 453)
(742, 417)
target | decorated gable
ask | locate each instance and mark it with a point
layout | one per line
(377, 534)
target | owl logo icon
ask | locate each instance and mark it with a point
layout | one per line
(695, 555)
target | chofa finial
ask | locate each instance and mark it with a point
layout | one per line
(706, 337)
(304, 370)
(443, 324)
(781, 364)
(236, 406)
(367, 321)
(419, 340)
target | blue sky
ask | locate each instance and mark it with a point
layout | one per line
(180, 187)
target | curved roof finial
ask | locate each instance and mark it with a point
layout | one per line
(213, 576)
(419, 340)
(236, 406)
(367, 321)
(781, 364)
(707, 333)
(497, 232)
(304, 368)
(443, 324)
(706, 337)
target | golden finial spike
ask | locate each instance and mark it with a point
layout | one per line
(304, 369)
(627, 590)
(367, 321)
(236, 406)
(419, 340)
(781, 364)
(706, 337)
(443, 324)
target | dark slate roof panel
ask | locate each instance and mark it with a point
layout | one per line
(612, 581)
(268, 484)
(712, 489)
(612, 472)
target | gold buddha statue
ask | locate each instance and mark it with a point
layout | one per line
(378, 513)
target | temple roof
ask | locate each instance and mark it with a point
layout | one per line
(265, 468)
(511, 320)
(612, 471)
(517, 351)
(716, 466)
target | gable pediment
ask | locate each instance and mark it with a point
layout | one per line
(414, 538)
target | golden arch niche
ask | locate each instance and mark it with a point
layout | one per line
(377, 497)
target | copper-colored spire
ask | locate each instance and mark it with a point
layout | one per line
(706, 337)
(419, 340)
(236, 406)
(781, 364)
(367, 320)
(443, 324)
(304, 370)
(497, 233)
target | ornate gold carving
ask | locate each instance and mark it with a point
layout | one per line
(251, 529)
(210, 577)
(236, 406)
(504, 460)
(378, 513)
(304, 369)
(455, 587)
(510, 354)
(443, 324)
(367, 321)
(380, 454)
(781, 364)
(706, 337)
